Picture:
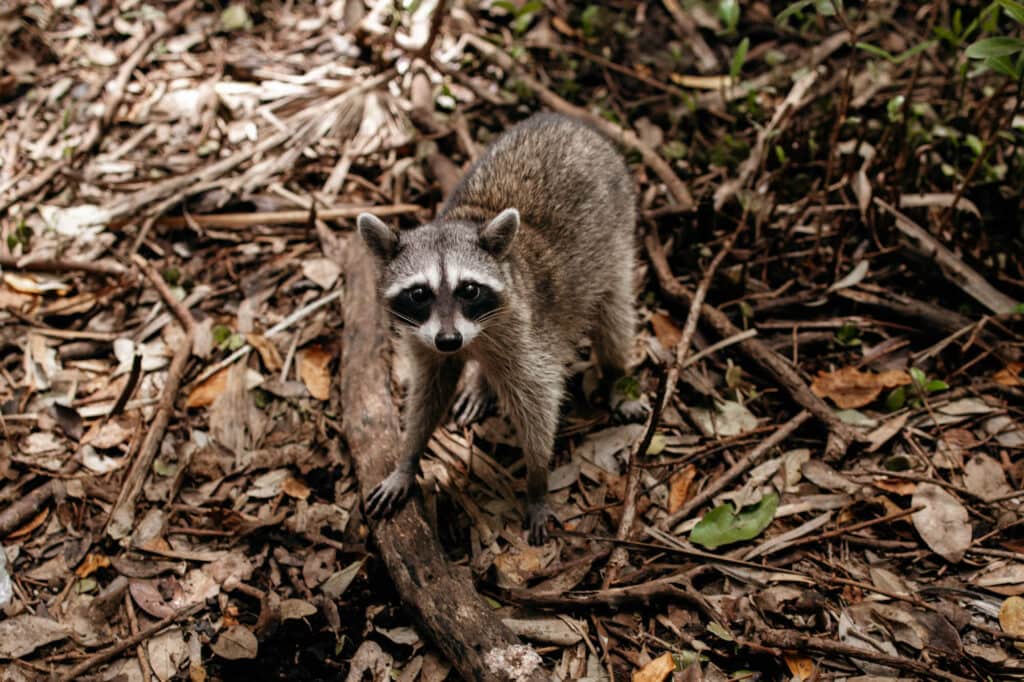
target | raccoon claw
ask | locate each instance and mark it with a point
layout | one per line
(387, 497)
(471, 405)
(537, 517)
(631, 411)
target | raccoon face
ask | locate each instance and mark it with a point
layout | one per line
(442, 281)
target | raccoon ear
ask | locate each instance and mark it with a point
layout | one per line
(496, 237)
(381, 239)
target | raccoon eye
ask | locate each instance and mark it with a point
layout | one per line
(469, 291)
(419, 294)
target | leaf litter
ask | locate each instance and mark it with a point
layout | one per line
(233, 156)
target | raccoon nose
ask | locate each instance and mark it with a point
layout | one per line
(448, 342)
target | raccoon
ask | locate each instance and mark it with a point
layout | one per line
(533, 250)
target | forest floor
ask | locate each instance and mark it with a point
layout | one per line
(831, 488)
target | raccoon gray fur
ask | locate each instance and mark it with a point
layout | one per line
(533, 250)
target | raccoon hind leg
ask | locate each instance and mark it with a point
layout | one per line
(474, 397)
(612, 336)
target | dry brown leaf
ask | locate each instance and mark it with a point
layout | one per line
(236, 643)
(314, 362)
(665, 329)
(293, 487)
(943, 524)
(850, 388)
(896, 486)
(205, 393)
(679, 488)
(1011, 616)
(657, 670)
(1010, 375)
(27, 529)
(801, 667)
(269, 354)
(563, 27)
(92, 562)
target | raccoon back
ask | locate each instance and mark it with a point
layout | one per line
(576, 200)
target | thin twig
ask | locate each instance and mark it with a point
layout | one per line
(101, 657)
(619, 555)
(736, 470)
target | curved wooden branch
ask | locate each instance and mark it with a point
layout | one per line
(443, 600)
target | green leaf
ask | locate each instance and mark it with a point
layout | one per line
(994, 47)
(894, 109)
(719, 631)
(657, 445)
(896, 58)
(738, 58)
(675, 150)
(825, 7)
(591, 20)
(1004, 65)
(945, 34)
(875, 50)
(847, 335)
(896, 399)
(221, 334)
(1019, 308)
(723, 526)
(235, 18)
(936, 385)
(792, 9)
(729, 13)
(531, 7)
(629, 387)
(1014, 10)
(235, 341)
(919, 377)
(521, 23)
(509, 7)
(974, 143)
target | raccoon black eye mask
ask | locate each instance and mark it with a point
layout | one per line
(533, 250)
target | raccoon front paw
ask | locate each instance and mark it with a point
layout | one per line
(632, 411)
(537, 517)
(388, 496)
(472, 403)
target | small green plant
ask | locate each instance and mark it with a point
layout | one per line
(226, 339)
(1002, 53)
(848, 335)
(593, 21)
(914, 395)
(825, 8)
(523, 16)
(22, 235)
(736, 65)
(729, 13)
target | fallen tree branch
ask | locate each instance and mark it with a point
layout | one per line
(954, 269)
(24, 507)
(122, 516)
(443, 599)
(101, 657)
(788, 639)
(28, 264)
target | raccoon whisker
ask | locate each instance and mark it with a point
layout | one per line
(403, 318)
(491, 314)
